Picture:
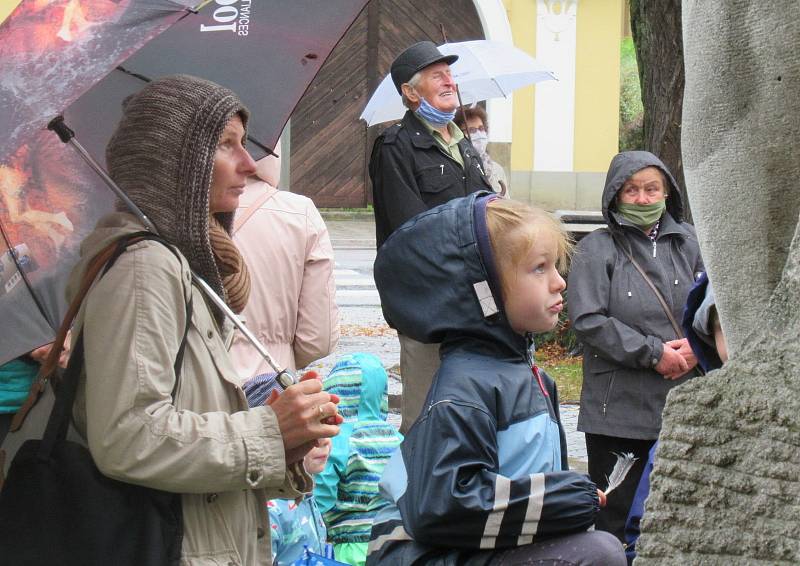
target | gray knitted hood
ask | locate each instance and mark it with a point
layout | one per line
(162, 156)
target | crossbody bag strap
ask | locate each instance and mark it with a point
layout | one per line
(245, 216)
(629, 254)
(58, 423)
(50, 366)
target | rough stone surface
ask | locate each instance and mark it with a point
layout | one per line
(726, 484)
(741, 126)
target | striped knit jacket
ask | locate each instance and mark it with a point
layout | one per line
(347, 490)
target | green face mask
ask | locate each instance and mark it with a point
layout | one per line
(643, 215)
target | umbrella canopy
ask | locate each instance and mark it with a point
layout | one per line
(268, 52)
(51, 52)
(485, 69)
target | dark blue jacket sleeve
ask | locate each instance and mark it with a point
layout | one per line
(456, 492)
(632, 530)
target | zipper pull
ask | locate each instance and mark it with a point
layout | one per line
(604, 408)
(478, 165)
(442, 166)
(654, 248)
(538, 377)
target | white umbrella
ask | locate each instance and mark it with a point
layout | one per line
(485, 69)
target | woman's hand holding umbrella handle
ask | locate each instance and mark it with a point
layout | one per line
(305, 414)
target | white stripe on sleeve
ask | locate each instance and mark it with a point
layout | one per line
(502, 492)
(534, 511)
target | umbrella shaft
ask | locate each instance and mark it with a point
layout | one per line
(209, 292)
(236, 321)
(112, 185)
(464, 114)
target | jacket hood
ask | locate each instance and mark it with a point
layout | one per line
(437, 281)
(108, 229)
(622, 167)
(362, 386)
(268, 169)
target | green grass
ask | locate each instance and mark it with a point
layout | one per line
(568, 375)
(368, 208)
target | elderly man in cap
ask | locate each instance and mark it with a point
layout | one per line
(419, 163)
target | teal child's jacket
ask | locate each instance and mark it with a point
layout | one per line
(16, 377)
(347, 490)
(294, 526)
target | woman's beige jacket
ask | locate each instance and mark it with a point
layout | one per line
(226, 460)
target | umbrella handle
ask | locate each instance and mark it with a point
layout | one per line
(285, 377)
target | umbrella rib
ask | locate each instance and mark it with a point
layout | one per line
(139, 76)
(504, 93)
(200, 6)
(146, 79)
(13, 253)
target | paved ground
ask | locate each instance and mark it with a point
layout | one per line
(363, 326)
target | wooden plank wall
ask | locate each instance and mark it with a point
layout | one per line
(329, 145)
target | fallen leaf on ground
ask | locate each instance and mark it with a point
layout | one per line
(359, 330)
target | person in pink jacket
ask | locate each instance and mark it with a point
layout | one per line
(286, 246)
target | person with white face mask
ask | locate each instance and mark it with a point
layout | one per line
(475, 124)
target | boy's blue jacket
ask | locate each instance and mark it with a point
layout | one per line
(485, 465)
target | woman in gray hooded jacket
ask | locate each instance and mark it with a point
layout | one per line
(632, 353)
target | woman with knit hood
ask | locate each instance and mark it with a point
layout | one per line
(633, 354)
(178, 153)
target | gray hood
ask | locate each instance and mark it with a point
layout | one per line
(427, 272)
(622, 167)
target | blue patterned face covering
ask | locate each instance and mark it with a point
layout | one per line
(432, 115)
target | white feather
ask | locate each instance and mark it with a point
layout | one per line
(624, 464)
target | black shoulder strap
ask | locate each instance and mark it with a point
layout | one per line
(58, 423)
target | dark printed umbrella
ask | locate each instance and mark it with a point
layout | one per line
(80, 59)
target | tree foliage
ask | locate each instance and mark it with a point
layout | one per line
(631, 111)
(657, 36)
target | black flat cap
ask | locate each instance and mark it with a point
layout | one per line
(416, 58)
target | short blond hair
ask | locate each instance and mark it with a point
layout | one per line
(514, 227)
